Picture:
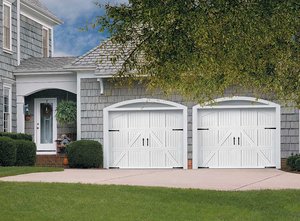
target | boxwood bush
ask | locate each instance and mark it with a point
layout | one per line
(85, 154)
(26, 153)
(297, 164)
(7, 151)
(16, 136)
(291, 162)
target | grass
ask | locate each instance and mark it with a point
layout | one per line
(41, 201)
(12, 171)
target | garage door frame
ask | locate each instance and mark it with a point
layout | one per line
(255, 103)
(161, 105)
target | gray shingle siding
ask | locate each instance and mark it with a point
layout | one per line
(8, 61)
(31, 38)
(92, 104)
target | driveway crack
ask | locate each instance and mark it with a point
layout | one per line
(259, 181)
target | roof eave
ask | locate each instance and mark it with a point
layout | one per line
(53, 19)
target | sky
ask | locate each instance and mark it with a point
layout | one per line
(68, 39)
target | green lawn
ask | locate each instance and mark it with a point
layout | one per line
(76, 202)
(12, 171)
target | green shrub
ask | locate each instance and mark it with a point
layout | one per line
(297, 164)
(26, 153)
(291, 161)
(7, 151)
(16, 136)
(85, 154)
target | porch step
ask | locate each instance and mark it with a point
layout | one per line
(50, 161)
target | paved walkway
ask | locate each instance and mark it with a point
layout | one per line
(215, 179)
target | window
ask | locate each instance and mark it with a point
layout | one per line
(45, 43)
(7, 26)
(7, 109)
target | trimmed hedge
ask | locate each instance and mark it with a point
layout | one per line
(297, 164)
(293, 162)
(16, 136)
(26, 153)
(8, 151)
(85, 154)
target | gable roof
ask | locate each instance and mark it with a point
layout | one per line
(107, 58)
(50, 64)
(40, 7)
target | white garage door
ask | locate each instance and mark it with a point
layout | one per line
(146, 139)
(236, 138)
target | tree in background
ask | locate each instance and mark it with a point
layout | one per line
(200, 48)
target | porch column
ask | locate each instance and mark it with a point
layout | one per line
(20, 114)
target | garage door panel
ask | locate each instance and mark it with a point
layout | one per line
(151, 139)
(134, 138)
(118, 121)
(208, 137)
(208, 118)
(137, 119)
(157, 119)
(174, 139)
(228, 117)
(265, 137)
(119, 157)
(229, 158)
(208, 158)
(242, 138)
(266, 118)
(248, 118)
(174, 119)
(248, 137)
(249, 158)
(139, 158)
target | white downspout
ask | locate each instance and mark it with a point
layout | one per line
(18, 33)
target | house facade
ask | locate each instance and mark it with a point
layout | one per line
(26, 31)
(138, 128)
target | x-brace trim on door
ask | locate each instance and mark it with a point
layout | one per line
(222, 141)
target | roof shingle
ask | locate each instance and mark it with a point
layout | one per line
(44, 64)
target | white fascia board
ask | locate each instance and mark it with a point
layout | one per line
(42, 73)
(37, 16)
(80, 68)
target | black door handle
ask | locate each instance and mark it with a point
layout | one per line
(143, 142)
(147, 142)
(238, 141)
(234, 141)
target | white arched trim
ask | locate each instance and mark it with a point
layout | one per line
(238, 102)
(142, 105)
(253, 102)
(122, 105)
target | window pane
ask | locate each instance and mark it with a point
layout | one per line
(46, 123)
(45, 43)
(6, 29)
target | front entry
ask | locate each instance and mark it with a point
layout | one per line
(45, 125)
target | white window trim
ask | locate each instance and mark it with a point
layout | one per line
(8, 86)
(48, 41)
(8, 4)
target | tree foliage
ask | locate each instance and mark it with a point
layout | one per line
(200, 48)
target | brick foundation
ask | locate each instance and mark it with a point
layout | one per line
(50, 160)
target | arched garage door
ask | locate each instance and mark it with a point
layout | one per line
(145, 133)
(238, 132)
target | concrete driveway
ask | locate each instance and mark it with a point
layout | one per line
(214, 179)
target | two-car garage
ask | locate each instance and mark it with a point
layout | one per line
(237, 132)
